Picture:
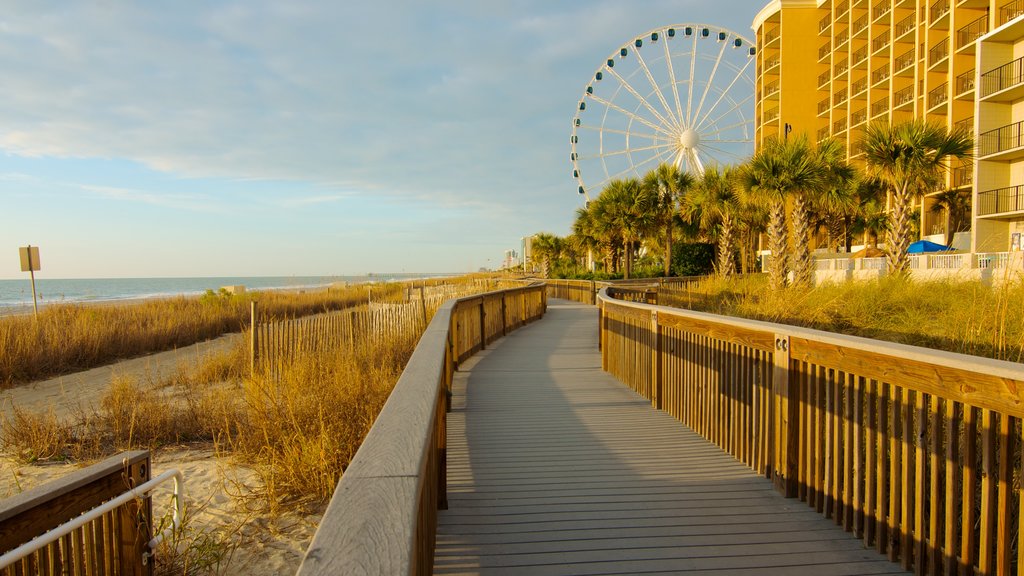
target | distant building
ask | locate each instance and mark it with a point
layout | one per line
(511, 259)
(527, 252)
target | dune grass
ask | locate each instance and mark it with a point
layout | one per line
(958, 316)
(68, 338)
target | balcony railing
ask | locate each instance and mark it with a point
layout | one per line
(904, 96)
(971, 32)
(1006, 76)
(859, 86)
(859, 25)
(938, 10)
(879, 43)
(860, 55)
(824, 51)
(842, 67)
(823, 133)
(824, 23)
(859, 117)
(769, 64)
(771, 115)
(965, 125)
(839, 96)
(965, 82)
(879, 107)
(904, 26)
(938, 95)
(904, 61)
(838, 126)
(938, 52)
(963, 176)
(1011, 11)
(771, 35)
(771, 89)
(1001, 200)
(881, 9)
(840, 39)
(880, 73)
(1001, 139)
(823, 106)
(823, 79)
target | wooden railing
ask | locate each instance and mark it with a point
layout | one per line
(916, 451)
(115, 543)
(382, 518)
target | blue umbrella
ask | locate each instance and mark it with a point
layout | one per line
(922, 246)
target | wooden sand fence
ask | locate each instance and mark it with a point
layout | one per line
(918, 452)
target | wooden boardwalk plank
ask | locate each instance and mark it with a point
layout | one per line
(554, 467)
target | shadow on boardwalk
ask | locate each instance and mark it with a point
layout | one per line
(554, 467)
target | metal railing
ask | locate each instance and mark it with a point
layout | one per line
(771, 89)
(775, 61)
(859, 25)
(971, 32)
(859, 117)
(841, 68)
(772, 114)
(879, 107)
(839, 96)
(903, 61)
(963, 176)
(879, 43)
(1001, 200)
(881, 8)
(1010, 11)
(904, 96)
(999, 79)
(965, 82)
(912, 450)
(839, 125)
(881, 73)
(824, 78)
(938, 95)
(772, 35)
(824, 51)
(965, 125)
(938, 10)
(904, 26)
(824, 23)
(859, 86)
(822, 133)
(382, 518)
(860, 55)
(1001, 139)
(823, 106)
(938, 52)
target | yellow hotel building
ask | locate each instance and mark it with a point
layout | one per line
(829, 67)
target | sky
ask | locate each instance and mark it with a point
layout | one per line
(268, 138)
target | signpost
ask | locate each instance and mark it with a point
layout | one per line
(30, 263)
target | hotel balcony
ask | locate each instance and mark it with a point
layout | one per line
(825, 51)
(965, 85)
(904, 62)
(938, 15)
(840, 69)
(937, 97)
(823, 107)
(1001, 201)
(966, 36)
(879, 108)
(771, 36)
(1011, 11)
(904, 26)
(823, 133)
(881, 9)
(823, 80)
(860, 55)
(1005, 83)
(965, 125)
(839, 98)
(771, 90)
(880, 45)
(859, 117)
(1005, 143)
(771, 115)
(859, 26)
(771, 66)
(859, 87)
(903, 97)
(824, 24)
(881, 74)
(963, 177)
(838, 126)
(938, 56)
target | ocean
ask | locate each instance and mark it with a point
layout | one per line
(18, 293)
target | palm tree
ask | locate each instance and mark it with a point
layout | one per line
(546, 247)
(585, 232)
(910, 157)
(836, 199)
(627, 207)
(779, 170)
(956, 205)
(713, 203)
(667, 184)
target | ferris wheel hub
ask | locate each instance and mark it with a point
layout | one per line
(689, 139)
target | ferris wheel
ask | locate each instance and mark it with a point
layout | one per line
(681, 94)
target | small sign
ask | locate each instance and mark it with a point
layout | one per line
(29, 258)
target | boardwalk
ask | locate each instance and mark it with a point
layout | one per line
(556, 468)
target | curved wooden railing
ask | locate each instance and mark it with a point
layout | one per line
(916, 451)
(382, 518)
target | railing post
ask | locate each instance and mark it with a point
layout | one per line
(593, 292)
(483, 324)
(787, 411)
(656, 369)
(252, 338)
(135, 523)
(504, 313)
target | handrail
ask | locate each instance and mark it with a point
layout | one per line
(1002, 77)
(866, 432)
(96, 513)
(382, 518)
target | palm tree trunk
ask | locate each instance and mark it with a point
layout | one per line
(802, 273)
(898, 237)
(726, 262)
(629, 258)
(777, 244)
(668, 248)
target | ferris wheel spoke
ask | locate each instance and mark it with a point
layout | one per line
(643, 101)
(710, 80)
(736, 106)
(639, 119)
(624, 151)
(746, 122)
(722, 151)
(689, 88)
(657, 89)
(672, 80)
(634, 167)
(629, 133)
(704, 141)
(726, 91)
